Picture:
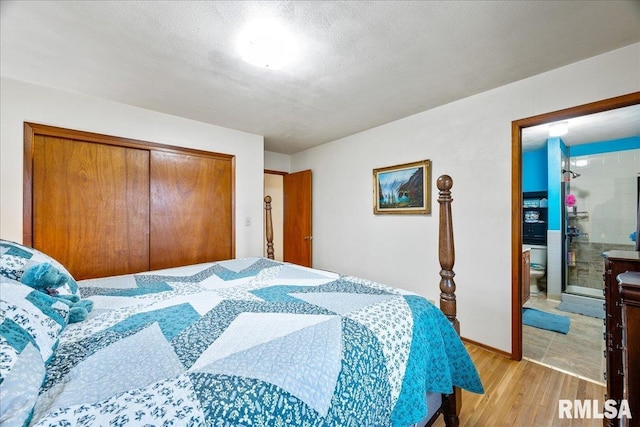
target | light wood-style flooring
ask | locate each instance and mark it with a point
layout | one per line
(522, 394)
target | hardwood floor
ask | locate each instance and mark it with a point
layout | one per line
(522, 394)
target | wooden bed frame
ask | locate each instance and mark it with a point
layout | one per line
(451, 403)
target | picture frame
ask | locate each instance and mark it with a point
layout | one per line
(403, 189)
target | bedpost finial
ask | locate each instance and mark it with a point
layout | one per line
(444, 182)
(267, 199)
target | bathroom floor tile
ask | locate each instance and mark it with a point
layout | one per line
(537, 342)
(579, 352)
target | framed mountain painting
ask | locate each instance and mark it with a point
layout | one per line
(402, 189)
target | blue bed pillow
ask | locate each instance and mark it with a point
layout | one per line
(30, 324)
(15, 259)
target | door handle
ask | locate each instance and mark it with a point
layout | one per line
(308, 237)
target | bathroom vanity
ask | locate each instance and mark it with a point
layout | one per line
(616, 263)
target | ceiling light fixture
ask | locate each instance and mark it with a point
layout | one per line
(558, 129)
(266, 43)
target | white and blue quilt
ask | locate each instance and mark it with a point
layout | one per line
(250, 342)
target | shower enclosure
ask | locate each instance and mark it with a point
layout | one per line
(601, 210)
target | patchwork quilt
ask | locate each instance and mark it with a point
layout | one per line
(250, 342)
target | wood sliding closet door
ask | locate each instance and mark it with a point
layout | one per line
(104, 205)
(91, 206)
(189, 195)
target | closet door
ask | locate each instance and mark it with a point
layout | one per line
(91, 206)
(191, 209)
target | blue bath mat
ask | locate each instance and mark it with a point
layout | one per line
(543, 320)
(585, 310)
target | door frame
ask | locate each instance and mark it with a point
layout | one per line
(284, 219)
(516, 196)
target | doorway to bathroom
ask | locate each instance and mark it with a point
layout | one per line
(557, 252)
(593, 176)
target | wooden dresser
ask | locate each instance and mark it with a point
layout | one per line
(629, 285)
(615, 263)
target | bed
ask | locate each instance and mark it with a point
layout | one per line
(242, 342)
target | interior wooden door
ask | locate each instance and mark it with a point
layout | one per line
(91, 206)
(297, 235)
(191, 209)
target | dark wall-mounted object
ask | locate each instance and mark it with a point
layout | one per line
(534, 218)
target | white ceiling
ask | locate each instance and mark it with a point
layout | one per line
(361, 64)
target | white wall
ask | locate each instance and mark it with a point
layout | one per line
(470, 140)
(555, 259)
(20, 102)
(277, 162)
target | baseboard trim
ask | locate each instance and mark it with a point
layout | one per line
(488, 348)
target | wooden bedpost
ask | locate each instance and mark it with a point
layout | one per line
(451, 403)
(446, 252)
(269, 225)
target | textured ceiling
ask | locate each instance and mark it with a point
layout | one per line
(360, 64)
